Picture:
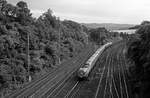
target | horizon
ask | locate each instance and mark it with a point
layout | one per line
(110, 23)
(88, 11)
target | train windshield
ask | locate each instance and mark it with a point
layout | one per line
(86, 65)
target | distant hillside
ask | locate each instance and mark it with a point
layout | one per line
(135, 27)
(109, 26)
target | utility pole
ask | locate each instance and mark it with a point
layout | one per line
(85, 33)
(59, 42)
(28, 55)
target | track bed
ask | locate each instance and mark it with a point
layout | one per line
(108, 79)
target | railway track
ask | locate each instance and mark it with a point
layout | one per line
(126, 94)
(73, 90)
(108, 79)
(61, 87)
(67, 87)
(126, 77)
(32, 88)
(115, 87)
(122, 85)
(103, 84)
(85, 87)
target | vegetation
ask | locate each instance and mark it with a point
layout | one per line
(30, 47)
(138, 26)
(139, 53)
(101, 35)
(98, 37)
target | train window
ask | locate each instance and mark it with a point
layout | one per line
(86, 65)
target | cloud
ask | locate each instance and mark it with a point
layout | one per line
(37, 13)
(123, 11)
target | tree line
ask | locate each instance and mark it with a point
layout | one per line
(31, 46)
(139, 53)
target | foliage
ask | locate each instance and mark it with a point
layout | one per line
(101, 35)
(98, 35)
(139, 52)
(51, 41)
(138, 26)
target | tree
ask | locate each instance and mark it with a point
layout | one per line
(8, 10)
(2, 3)
(22, 5)
(98, 35)
(145, 22)
(45, 35)
(144, 32)
(139, 53)
(23, 13)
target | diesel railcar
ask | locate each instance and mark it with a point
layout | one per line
(84, 71)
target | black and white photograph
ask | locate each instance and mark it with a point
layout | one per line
(74, 48)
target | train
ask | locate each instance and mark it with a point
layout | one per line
(84, 71)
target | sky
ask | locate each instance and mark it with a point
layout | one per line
(93, 11)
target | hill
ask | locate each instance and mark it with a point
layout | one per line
(109, 26)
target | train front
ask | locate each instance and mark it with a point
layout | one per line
(82, 72)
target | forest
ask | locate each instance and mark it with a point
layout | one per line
(139, 54)
(30, 47)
